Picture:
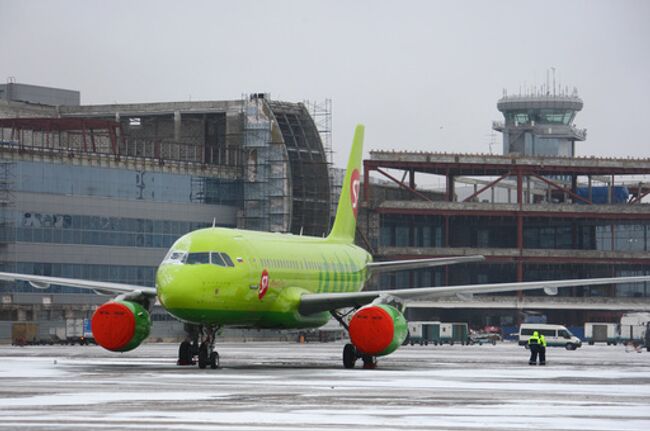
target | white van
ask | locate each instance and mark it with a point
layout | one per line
(555, 335)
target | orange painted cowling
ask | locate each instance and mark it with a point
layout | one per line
(378, 330)
(120, 326)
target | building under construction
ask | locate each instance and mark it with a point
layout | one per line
(101, 192)
(535, 213)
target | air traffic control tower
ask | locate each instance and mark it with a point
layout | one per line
(540, 123)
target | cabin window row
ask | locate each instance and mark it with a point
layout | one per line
(306, 264)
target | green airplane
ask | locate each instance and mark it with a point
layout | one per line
(217, 277)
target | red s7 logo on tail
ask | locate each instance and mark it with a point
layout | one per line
(355, 188)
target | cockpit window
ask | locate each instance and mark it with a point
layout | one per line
(213, 257)
(217, 259)
(197, 258)
(176, 257)
(227, 259)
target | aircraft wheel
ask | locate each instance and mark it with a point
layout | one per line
(203, 356)
(214, 360)
(185, 353)
(369, 362)
(349, 356)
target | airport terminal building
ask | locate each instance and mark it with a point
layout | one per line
(102, 192)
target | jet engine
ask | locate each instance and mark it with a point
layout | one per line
(378, 330)
(120, 326)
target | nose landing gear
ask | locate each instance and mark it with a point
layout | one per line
(205, 352)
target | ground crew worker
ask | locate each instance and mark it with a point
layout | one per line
(533, 345)
(542, 349)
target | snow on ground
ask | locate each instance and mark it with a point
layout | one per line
(282, 386)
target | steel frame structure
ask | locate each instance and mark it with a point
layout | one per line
(88, 128)
(502, 167)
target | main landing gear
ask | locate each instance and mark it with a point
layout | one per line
(350, 353)
(350, 356)
(205, 351)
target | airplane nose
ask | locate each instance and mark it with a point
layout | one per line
(169, 286)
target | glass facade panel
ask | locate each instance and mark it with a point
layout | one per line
(633, 290)
(630, 237)
(411, 231)
(493, 232)
(138, 275)
(97, 230)
(65, 179)
(402, 237)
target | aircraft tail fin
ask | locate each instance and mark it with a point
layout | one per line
(345, 222)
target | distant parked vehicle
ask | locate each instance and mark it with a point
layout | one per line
(454, 332)
(481, 337)
(434, 332)
(423, 333)
(556, 335)
(634, 327)
(602, 333)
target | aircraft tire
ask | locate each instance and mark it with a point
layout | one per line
(185, 353)
(349, 356)
(214, 360)
(369, 362)
(203, 356)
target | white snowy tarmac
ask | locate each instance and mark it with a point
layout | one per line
(281, 386)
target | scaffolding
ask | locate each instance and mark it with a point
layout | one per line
(321, 113)
(266, 204)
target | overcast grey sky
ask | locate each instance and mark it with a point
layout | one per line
(422, 75)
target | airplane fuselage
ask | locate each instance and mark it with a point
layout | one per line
(219, 276)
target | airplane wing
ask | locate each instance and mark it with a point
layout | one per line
(316, 302)
(43, 282)
(398, 265)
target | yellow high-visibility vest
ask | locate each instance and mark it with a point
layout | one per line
(542, 340)
(534, 339)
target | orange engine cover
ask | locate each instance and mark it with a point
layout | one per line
(113, 325)
(372, 330)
